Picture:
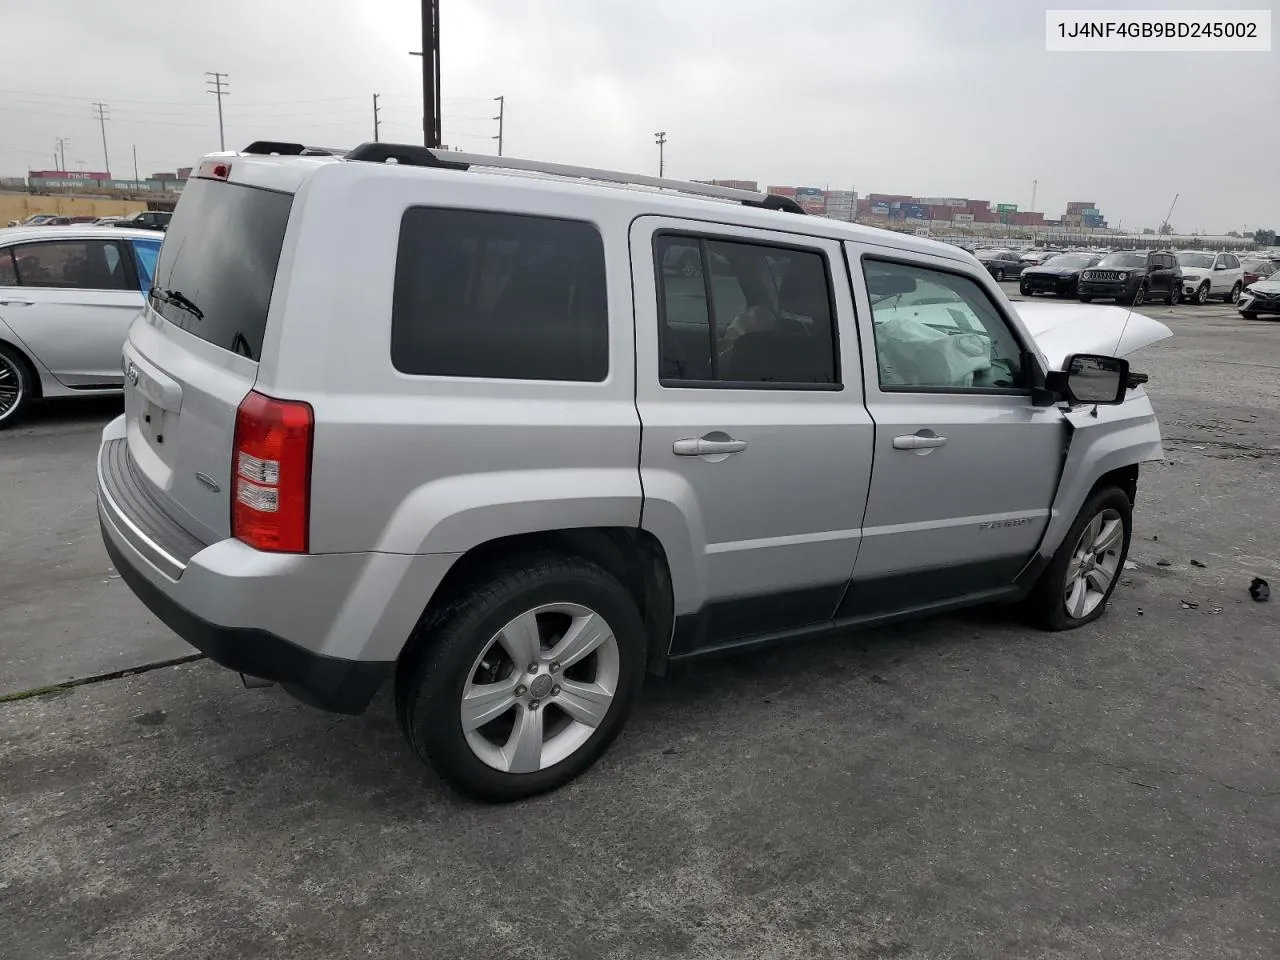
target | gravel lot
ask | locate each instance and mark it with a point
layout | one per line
(957, 788)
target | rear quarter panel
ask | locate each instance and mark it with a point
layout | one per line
(415, 464)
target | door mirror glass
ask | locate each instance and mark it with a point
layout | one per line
(1091, 378)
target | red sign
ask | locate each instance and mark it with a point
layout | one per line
(68, 175)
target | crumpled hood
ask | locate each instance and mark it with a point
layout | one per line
(1061, 330)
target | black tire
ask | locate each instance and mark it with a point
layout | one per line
(1249, 315)
(1202, 294)
(1234, 293)
(1025, 290)
(1046, 604)
(999, 274)
(1139, 297)
(1086, 299)
(444, 650)
(1175, 295)
(17, 387)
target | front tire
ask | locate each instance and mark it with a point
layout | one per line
(1175, 295)
(1075, 587)
(1139, 297)
(1086, 299)
(16, 387)
(1249, 315)
(1202, 294)
(521, 685)
(1025, 290)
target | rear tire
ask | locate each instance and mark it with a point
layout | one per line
(16, 387)
(1049, 605)
(1249, 315)
(1234, 295)
(464, 648)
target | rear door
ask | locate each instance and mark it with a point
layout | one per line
(756, 447)
(72, 305)
(192, 355)
(965, 466)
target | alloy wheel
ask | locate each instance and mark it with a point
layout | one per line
(11, 387)
(540, 688)
(1139, 296)
(1202, 295)
(1094, 564)
(1234, 296)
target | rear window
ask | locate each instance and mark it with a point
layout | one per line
(498, 295)
(218, 263)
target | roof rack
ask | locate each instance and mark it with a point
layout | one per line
(278, 148)
(419, 156)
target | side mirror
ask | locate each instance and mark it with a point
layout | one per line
(1091, 378)
(1220, 266)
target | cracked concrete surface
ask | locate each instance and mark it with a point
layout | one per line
(958, 788)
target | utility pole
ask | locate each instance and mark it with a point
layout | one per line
(502, 107)
(1169, 214)
(375, 118)
(136, 178)
(100, 111)
(62, 150)
(430, 54)
(660, 138)
(218, 87)
(1035, 184)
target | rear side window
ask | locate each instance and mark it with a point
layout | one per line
(499, 295)
(8, 276)
(743, 314)
(145, 255)
(218, 263)
(71, 265)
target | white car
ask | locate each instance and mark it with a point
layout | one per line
(1206, 275)
(67, 297)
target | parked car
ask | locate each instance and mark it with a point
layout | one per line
(35, 220)
(1035, 258)
(106, 221)
(1132, 277)
(67, 296)
(1257, 268)
(1206, 275)
(55, 222)
(1059, 275)
(1262, 297)
(146, 220)
(517, 488)
(1001, 264)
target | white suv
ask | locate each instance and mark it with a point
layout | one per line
(1206, 275)
(475, 427)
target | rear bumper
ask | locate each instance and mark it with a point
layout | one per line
(327, 627)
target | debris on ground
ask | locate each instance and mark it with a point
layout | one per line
(1260, 590)
(1155, 537)
(1130, 565)
(1163, 563)
(1189, 604)
(1197, 563)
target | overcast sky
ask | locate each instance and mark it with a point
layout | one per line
(923, 97)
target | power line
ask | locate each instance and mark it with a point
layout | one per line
(101, 110)
(216, 86)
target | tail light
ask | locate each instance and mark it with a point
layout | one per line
(271, 483)
(214, 170)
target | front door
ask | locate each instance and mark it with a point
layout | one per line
(72, 306)
(756, 446)
(965, 466)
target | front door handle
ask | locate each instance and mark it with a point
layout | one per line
(924, 440)
(17, 302)
(713, 445)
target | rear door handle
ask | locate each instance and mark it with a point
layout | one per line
(17, 302)
(913, 441)
(709, 446)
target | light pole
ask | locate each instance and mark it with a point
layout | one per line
(660, 138)
(430, 54)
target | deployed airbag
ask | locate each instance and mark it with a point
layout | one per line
(913, 353)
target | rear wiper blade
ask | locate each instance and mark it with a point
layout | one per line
(178, 299)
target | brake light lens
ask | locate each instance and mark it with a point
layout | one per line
(271, 483)
(214, 170)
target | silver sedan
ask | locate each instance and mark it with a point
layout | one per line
(67, 297)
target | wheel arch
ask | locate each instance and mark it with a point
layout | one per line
(633, 556)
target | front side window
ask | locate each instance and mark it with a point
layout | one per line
(70, 265)
(938, 330)
(499, 295)
(743, 313)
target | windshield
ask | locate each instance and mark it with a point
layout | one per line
(1070, 261)
(1123, 260)
(989, 253)
(1202, 260)
(218, 263)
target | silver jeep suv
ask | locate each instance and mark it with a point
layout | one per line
(510, 435)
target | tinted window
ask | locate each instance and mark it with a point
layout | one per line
(218, 263)
(70, 264)
(499, 295)
(8, 276)
(936, 329)
(145, 254)
(743, 313)
(1231, 262)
